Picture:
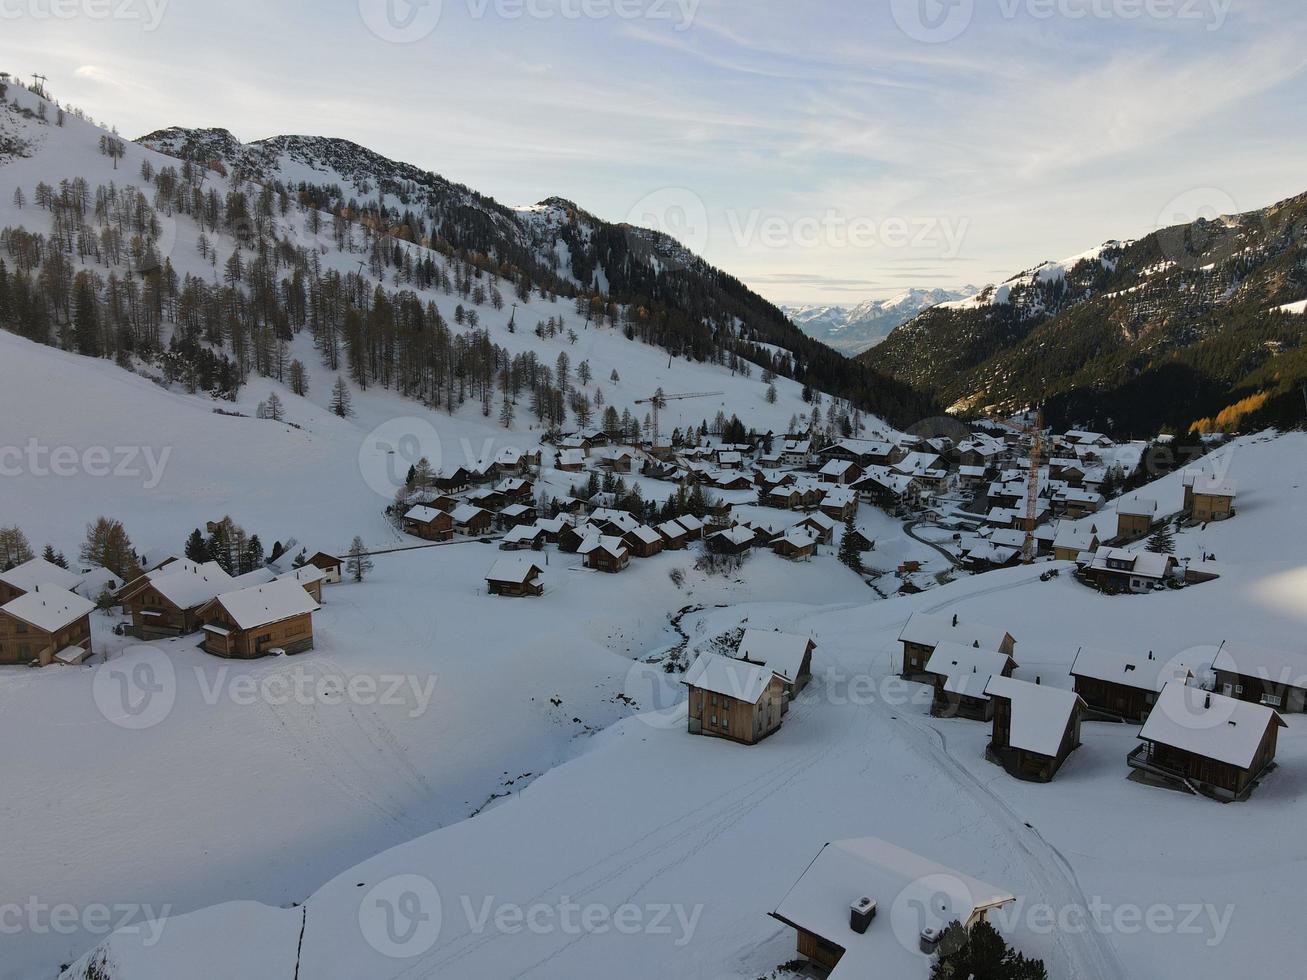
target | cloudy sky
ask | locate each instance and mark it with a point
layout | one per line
(824, 152)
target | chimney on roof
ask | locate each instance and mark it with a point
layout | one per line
(1038, 680)
(861, 913)
(1150, 654)
(955, 620)
(1207, 701)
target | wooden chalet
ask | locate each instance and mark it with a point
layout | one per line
(167, 601)
(839, 504)
(821, 527)
(960, 675)
(731, 480)
(572, 538)
(515, 489)
(787, 654)
(1035, 727)
(605, 553)
(925, 631)
(845, 909)
(643, 541)
(693, 526)
(517, 577)
(736, 540)
(1275, 678)
(733, 699)
(842, 471)
(452, 480)
(254, 622)
(523, 537)
(1208, 743)
(1135, 518)
(1208, 499)
(333, 568)
(796, 544)
(515, 515)
(472, 520)
(674, 536)
(45, 624)
(1115, 569)
(570, 460)
(428, 523)
(310, 577)
(1122, 686)
(24, 578)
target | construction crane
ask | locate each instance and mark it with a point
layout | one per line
(659, 401)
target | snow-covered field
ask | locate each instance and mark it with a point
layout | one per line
(648, 818)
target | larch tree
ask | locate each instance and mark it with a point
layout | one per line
(357, 562)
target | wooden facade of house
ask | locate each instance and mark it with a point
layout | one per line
(734, 700)
(1024, 759)
(800, 547)
(39, 626)
(515, 581)
(250, 623)
(429, 524)
(332, 567)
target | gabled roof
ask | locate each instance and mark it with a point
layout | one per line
(305, 574)
(846, 871)
(38, 571)
(646, 534)
(187, 585)
(48, 607)
(1137, 507)
(1276, 666)
(782, 652)
(690, 522)
(264, 605)
(1210, 725)
(672, 529)
(1145, 673)
(615, 547)
(928, 630)
(798, 537)
(423, 515)
(739, 534)
(518, 571)
(466, 513)
(1210, 486)
(966, 670)
(728, 676)
(1040, 714)
(523, 532)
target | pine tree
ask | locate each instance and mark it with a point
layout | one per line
(848, 553)
(341, 402)
(275, 409)
(253, 557)
(1162, 541)
(357, 562)
(196, 550)
(506, 413)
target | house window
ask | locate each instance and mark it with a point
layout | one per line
(726, 722)
(714, 720)
(1272, 700)
(265, 638)
(1238, 689)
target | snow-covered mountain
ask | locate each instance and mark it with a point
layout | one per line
(854, 329)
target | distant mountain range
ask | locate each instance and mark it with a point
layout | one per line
(1199, 324)
(854, 329)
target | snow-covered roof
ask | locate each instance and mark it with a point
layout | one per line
(305, 574)
(1210, 725)
(730, 677)
(423, 515)
(518, 571)
(1276, 666)
(820, 520)
(1144, 564)
(515, 510)
(1040, 714)
(646, 534)
(781, 652)
(690, 522)
(1210, 486)
(522, 532)
(193, 585)
(263, 605)
(798, 537)
(571, 457)
(847, 871)
(672, 529)
(38, 571)
(620, 518)
(1137, 507)
(928, 630)
(966, 670)
(615, 547)
(48, 607)
(739, 534)
(466, 513)
(257, 576)
(1145, 673)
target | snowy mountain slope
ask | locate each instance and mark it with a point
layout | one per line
(700, 311)
(1169, 331)
(719, 832)
(852, 330)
